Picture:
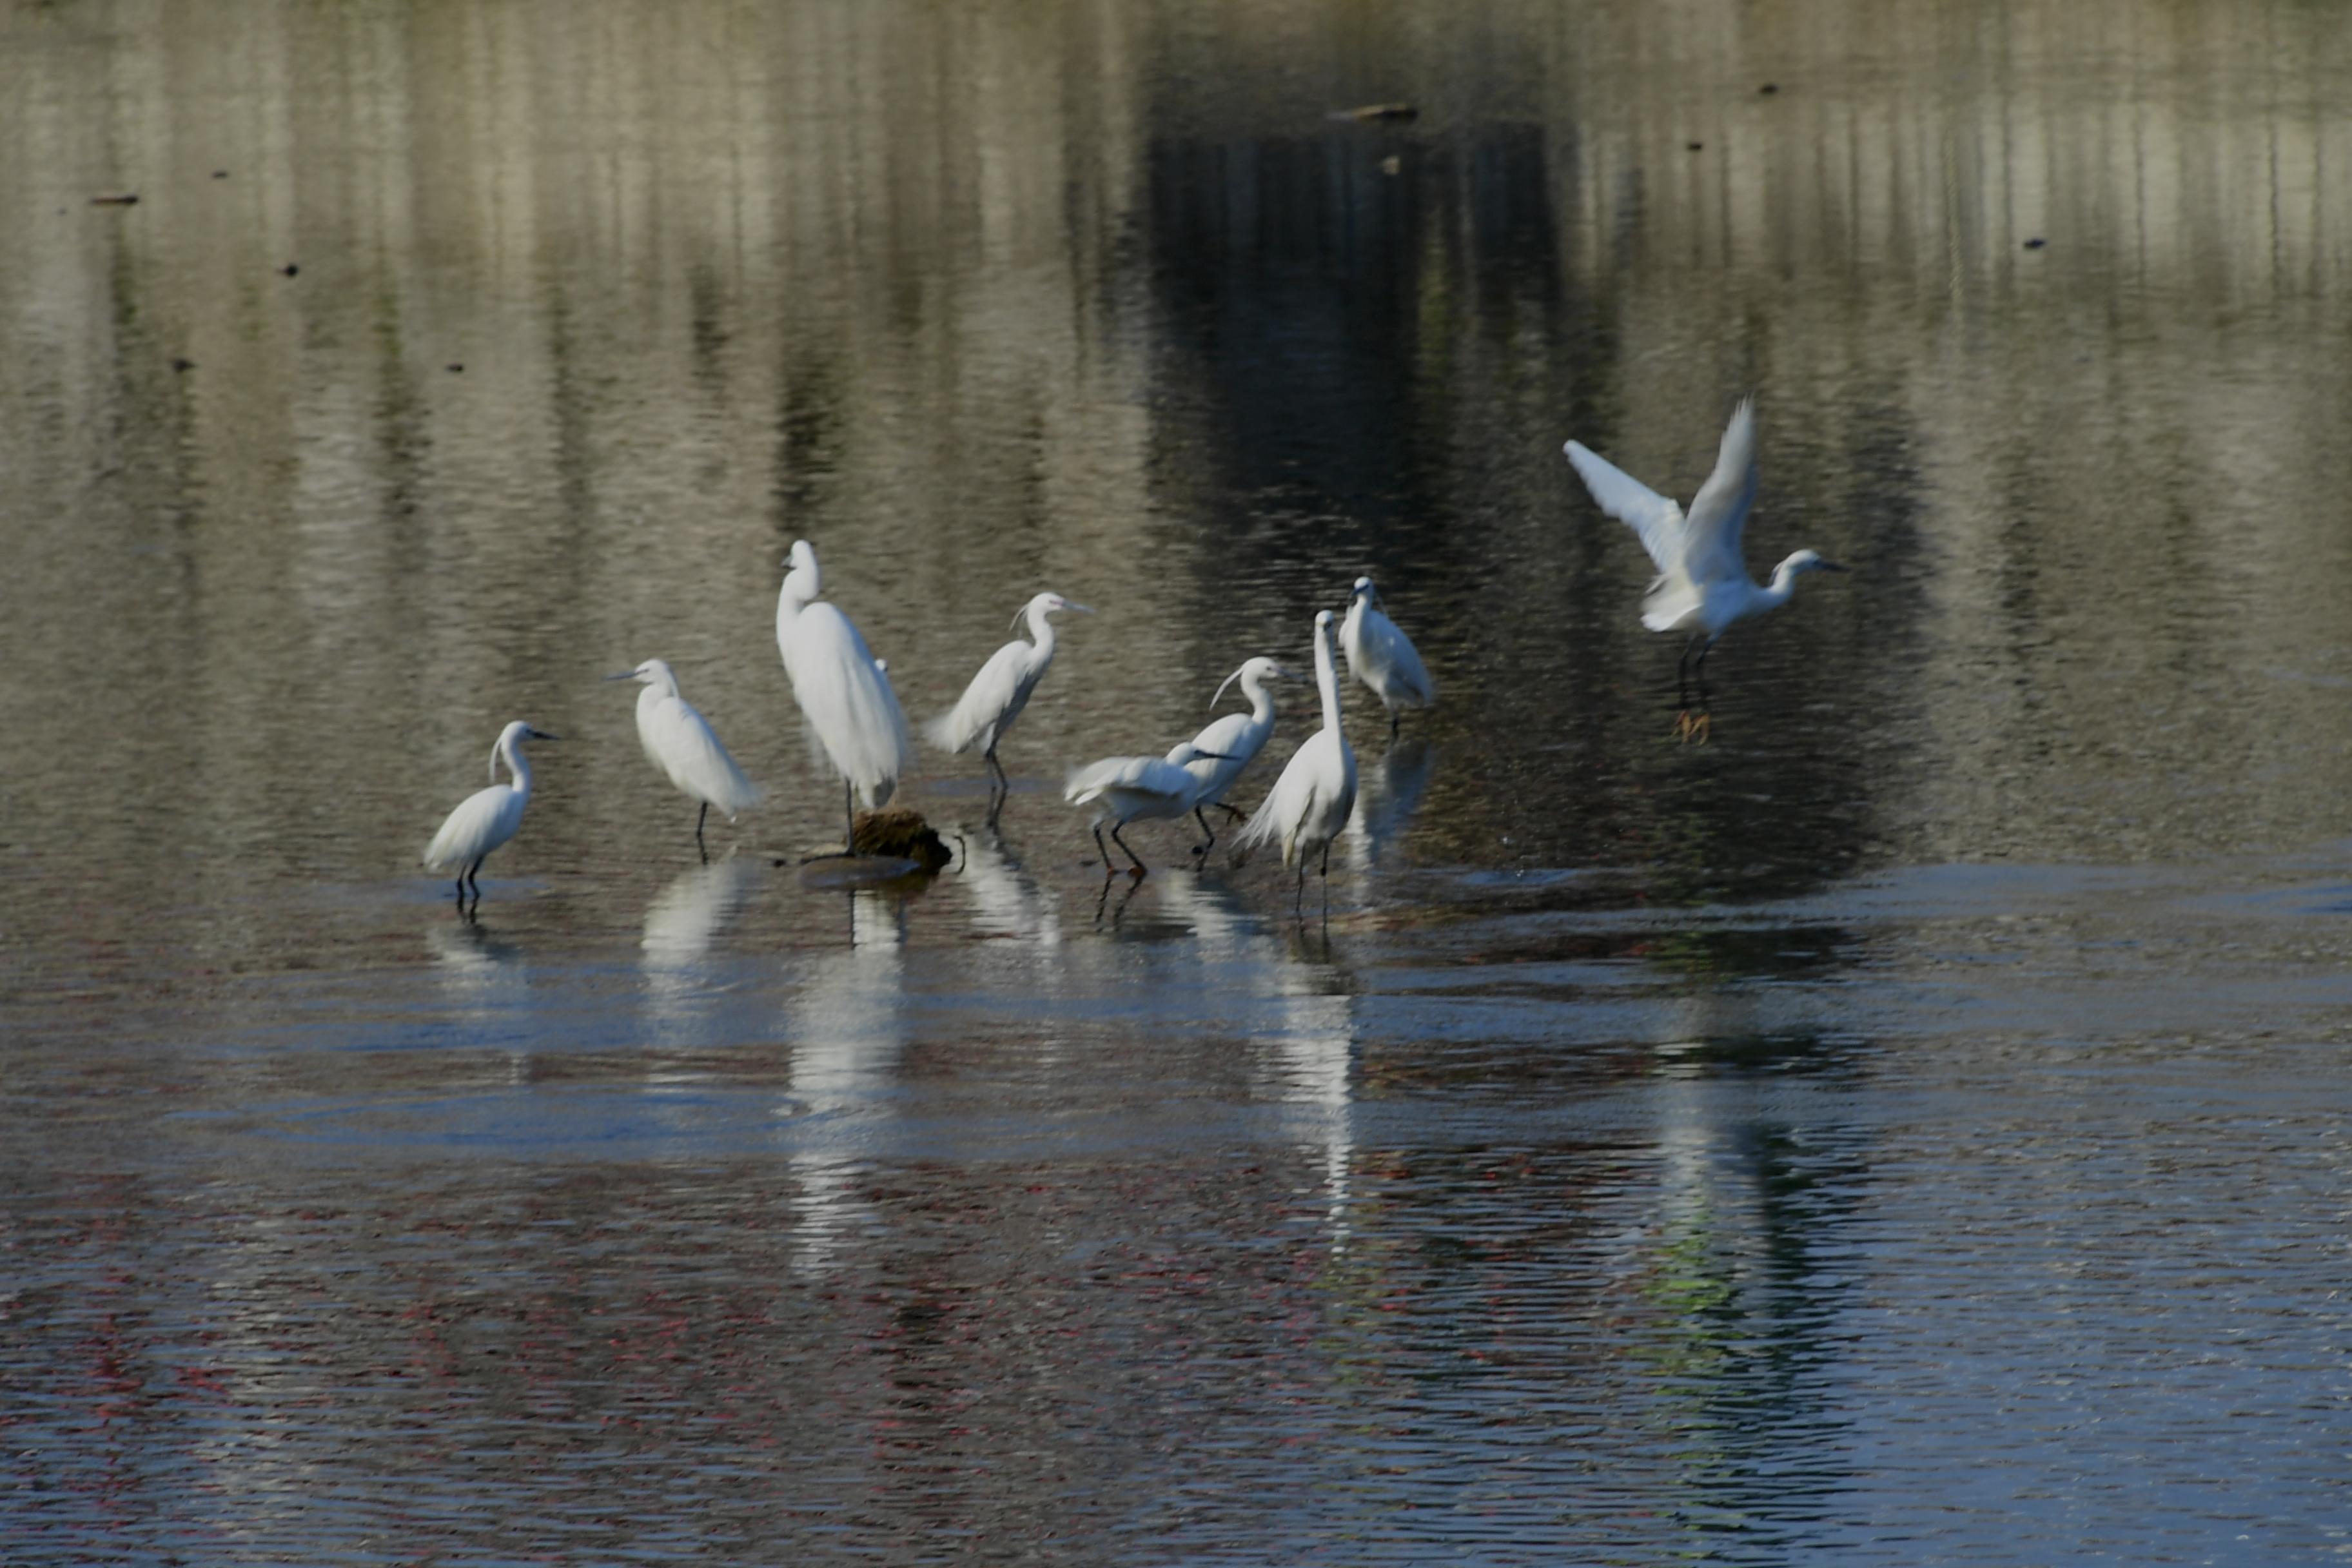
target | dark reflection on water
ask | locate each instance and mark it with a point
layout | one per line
(1907, 1127)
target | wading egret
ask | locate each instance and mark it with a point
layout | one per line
(841, 686)
(999, 692)
(1382, 656)
(488, 818)
(1702, 586)
(1234, 739)
(681, 743)
(1122, 789)
(1311, 800)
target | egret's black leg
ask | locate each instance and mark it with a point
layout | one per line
(699, 819)
(1102, 849)
(849, 818)
(1705, 720)
(1394, 718)
(1131, 855)
(1202, 849)
(1236, 813)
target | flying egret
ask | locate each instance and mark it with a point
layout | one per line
(841, 686)
(488, 818)
(1229, 743)
(999, 692)
(681, 743)
(1125, 788)
(1311, 800)
(1382, 656)
(1702, 586)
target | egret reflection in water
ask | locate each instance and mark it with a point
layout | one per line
(848, 1028)
(1389, 788)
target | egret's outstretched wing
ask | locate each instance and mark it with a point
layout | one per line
(1658, 521)
(1718, 513)
(1134, 776)
(682, 742)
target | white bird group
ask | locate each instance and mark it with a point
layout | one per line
(1702, 588)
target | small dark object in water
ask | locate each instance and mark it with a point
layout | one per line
(454, 368)
(183, 364)
(1371, 111)
(1770, 87)
(290, 269)
(220, 174)
(1696, 146)
(125, 200)
(900, 831)
(2036, 243)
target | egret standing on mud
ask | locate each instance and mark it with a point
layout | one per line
(841, 686)
(999, 692)
(1311, 800)
(682, 744)
(1702, 586)
(1125, 788)
(1229, 744)
(488, 818)
(1382, 656)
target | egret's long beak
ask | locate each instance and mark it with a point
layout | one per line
(624, 675)
(543, 735)
(1830, 566)
(1081, 609)
(1283, 672)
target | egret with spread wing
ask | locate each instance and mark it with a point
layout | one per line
(1122, 789)
(1702, 586)
(681, 743)
(841, 686)
(999, 692)
(1382, 656)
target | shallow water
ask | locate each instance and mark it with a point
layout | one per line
(1910, 1127)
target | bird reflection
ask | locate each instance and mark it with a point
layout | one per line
(681, 921)
(1006, 898)
(1388, 792)
(848, 1030)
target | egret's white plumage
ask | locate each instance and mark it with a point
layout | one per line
(1702, 586)
(1001, 690)
(840, 685)
(1382, 656)
(1311, 800)
(680, 742)
(1234, 739)
(1123, 789)
(488, 818)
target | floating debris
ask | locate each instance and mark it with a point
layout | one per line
(2036, 243)
(125, 200)
(901, 832)
(1372, 111)
(183, 364)
(1770, 87)
(1695, 146)
(290, 269)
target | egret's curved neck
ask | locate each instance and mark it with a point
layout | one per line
(516, 765)
(1326, 680)
(1041, 632)
(1784, 582)
(802, 586)
(1261, 701)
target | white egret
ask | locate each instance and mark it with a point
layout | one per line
(488, 818)
(1125, 788)
(1702, 586)
(841, 686)
(681, 743)
(1316, 791)
(1382, 656)
(1229, 744)
(998, 693)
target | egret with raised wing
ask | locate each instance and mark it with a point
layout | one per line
(1382, 656)
(841, 687)
(488, 818)
(1702, 586)
(1229, 744)
(1316, 791)
(681, 743)
(1123, 789)
(1000, 691)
